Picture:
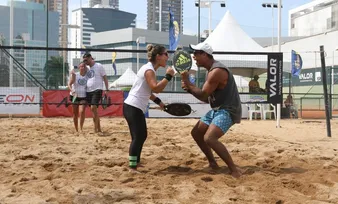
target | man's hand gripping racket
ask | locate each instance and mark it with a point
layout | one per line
(182, 62)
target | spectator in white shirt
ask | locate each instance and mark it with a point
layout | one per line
(96, 76)
(77, 84)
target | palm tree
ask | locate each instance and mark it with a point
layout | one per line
(54, 73)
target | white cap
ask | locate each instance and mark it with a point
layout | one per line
(205, 47)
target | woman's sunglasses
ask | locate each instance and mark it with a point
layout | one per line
(165, 53)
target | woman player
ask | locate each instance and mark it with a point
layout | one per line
(77, 84)
(135, 105)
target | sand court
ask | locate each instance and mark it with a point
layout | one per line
(42, 160)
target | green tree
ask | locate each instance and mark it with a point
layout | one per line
(54, 72)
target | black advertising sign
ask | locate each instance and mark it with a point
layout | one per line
(275, 78)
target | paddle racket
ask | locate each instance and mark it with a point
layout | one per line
(64, 101)
(182, 61)
(106, 101)
(74, 98)
(176, 109)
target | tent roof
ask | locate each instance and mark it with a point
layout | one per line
(228, 36)
(241, 81)
(125, 80)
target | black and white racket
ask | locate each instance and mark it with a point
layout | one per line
(105, 101)
(176, 109)
(182, 61)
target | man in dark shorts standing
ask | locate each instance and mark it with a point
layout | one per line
(96, 75)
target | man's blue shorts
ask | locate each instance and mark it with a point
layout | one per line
(221, 118)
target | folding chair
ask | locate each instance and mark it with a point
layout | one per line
(254, 109)
(266, 108)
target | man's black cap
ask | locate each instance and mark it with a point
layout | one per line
(86, 55)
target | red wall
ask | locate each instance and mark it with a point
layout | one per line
(52, 99)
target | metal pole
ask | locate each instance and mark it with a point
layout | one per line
(11, 36)
(273, 28)
(63, 71)
(326, 99)
(198, 39)
(47, 23)
(137, 54)
(199, 22)
(332, 84)
(290, 78)
(209, 18)
(279, 50)
(279, 24)
(25, 63)
(160, 16)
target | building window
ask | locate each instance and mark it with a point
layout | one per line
(292, 25)
(328, 23)
(87, 30)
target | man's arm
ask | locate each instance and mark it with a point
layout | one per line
(104, 76)
(105, 79)
(198, 93)
(215, 77)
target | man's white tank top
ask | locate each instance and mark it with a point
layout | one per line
(140, 92)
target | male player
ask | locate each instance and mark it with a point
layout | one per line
(220, 91)
(96, 75)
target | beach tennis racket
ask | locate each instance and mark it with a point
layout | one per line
(64, 101)
(105, 101)
(74, 98)
(182, 61)
(176, 109)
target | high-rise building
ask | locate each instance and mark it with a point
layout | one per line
(323, 15)
(29, 29)
(60, 6)
(111, 3)
(37, 1)
(153, 14)
(94, 20)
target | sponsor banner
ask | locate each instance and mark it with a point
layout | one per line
(310, 77)
(19, 100)
(60, 97)
(275, 80)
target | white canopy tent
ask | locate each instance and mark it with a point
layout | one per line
(229, 37)
(125, 80)
(241, 82)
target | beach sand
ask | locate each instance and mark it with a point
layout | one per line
(43, 160)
